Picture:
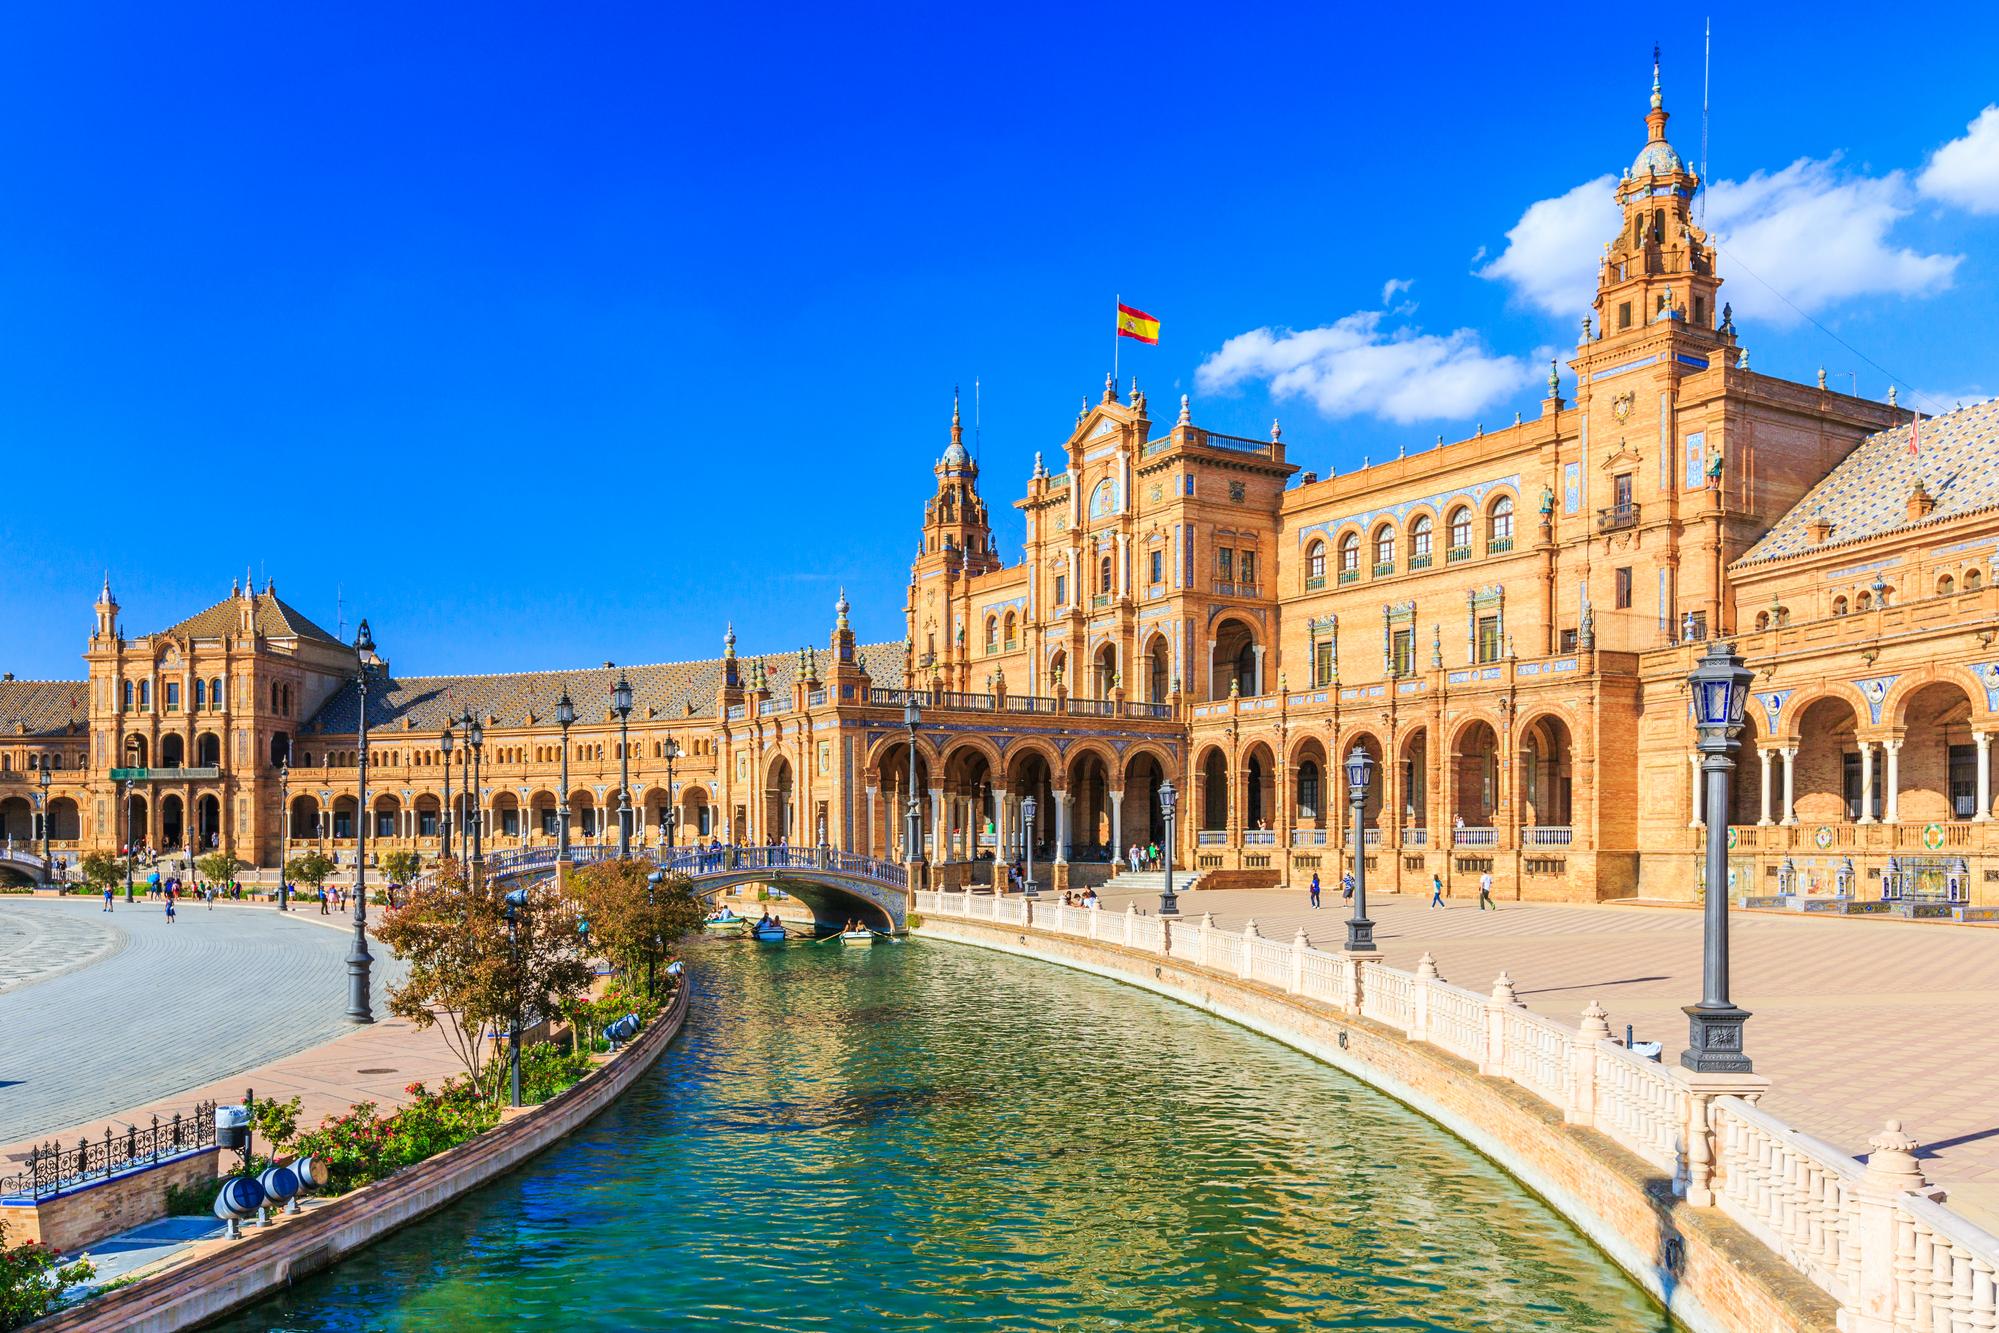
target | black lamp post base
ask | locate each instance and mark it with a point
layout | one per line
(1169, 904)
(1714, 1038)
(1360, 935)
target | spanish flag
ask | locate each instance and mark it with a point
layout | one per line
(1137, 324)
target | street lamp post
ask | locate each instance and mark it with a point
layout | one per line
(621, 704)
(284, 828)
(444, 743)
(565, 713)
(358, 960)
(1360, 775)
(912, 717)
(515, 901)
(44, 805)
(475, 741)
(128, 842)
(1714, 1026)
(1027, 818)
(671, 819)
(1169, 903)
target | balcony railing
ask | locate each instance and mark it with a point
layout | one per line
(1499, 545)
(1457, 553)
(1225, 588)
(1350, 576)
(1308, 837)
(1259, 837)
(1415, 836)
(1098, 601)
(1212, 837)
(1420, 561)
(1314, 582)
(1548, 835)
(1475, 837)
(166, 774)
(1373, 838)
(1617, 516)
(1383, 568)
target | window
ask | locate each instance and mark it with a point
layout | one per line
(510, 822)
(548, 822)
(1839, 606)
(1402, 653)
(1315, 564)
(343, 823)
(1620, 487)
(1697, 626)
(1624, 315)
(1225, 565)
(215, 694)
(1061, 590)
(1963, 782)
(1322, 663)
(173, 696)
(1419, 542)
(1488, 638)
(1499, 527)
(1156, 568)
(1700, 312)
(992, 634)
(1971, 580)
(128, 696)
(200, 694)
(1104, 575)
(1460, 533)
(385, 823)
(1012, 628)
(1308, 790)
(1946, 586)
(1624, 588)
(1851, 785)
(1248, 566)
(1384, 547)
(1568, 640)
(1864, 602)
(1350, 555)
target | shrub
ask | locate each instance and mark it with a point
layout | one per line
(32, 1280)
(363, 1145)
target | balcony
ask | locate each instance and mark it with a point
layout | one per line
(1383, 568)
(1499, 545)
(1225, 588)
(1099, 601)
(1421, 561)
(1349, 576)
(1617, 516)
(1308, 837)
(1415, 835)
(1212, 837)
(166, 774)
(1314, 582)
(1475, 837)
(1457, 553)
(1259, 837)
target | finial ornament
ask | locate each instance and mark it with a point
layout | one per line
(1742, 362)
(840, 609)
(1276, 431)
(1186, 412)
(1821, 379)
(1891, 390)
(1110, 387)
(729, 640)
(1554, 380)
(1658, 98)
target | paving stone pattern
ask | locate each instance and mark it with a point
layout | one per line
(1855, 1021)
(37, 945)
(219, 993)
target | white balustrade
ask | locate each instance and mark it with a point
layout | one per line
(1792, 1192)
(1537, 1054)
(1641, 1105)
(1456, 1019)
(1386, 995)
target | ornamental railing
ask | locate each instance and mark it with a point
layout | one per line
(1876, 1238)
(52, 1169)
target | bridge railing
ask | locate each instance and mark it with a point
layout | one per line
(1874, 1237)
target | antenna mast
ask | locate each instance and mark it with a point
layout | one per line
(1707, 82)
(976, 434)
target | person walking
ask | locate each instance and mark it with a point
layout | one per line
(1346, 885)
(1315, 888)
(107, 897)
(1485, 892)
(322, 901)
(170, 907)
(1436, 890)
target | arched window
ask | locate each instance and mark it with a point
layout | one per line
(1315, 565)
(145, 696)
(1350, 554)
(1499, 527)
(215, 694)
(1971, 580)
(1946, 586)
(128, 696)
(1012, 626)
(1863, 602)
(1781, 616)
(1460, 533)
(274, 695)
(200, 694)
(992, 634)
(1384, 549)
(1308, 790)
(1419, 541)
(1762, 620)
(1839, 606)
(1104, 575)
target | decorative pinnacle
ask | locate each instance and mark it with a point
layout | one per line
(1110, 387)
(1554, 380)
(729, 641)
(1276, 431)
(840, 609)
(1658, 98)
(1186, 413)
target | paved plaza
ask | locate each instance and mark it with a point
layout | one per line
(101, 1012)
(1856, 1021)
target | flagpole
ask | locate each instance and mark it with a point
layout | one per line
(1117, 338)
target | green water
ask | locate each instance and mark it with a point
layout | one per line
(925, 1136)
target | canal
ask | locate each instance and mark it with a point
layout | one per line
(926, 1136)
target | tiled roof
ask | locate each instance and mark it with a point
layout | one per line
(42, 707)
(1957, 459)
(276, 619)
(659, 692)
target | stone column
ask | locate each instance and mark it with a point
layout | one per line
(1790, 785)
(939, 834)
(1117, 823)
(1866, 782)
(873, 792)
(1694, 820)
(1766, 756)
(1983, 740)
(1891, 812)
(1061, 799)
(1892, 1171)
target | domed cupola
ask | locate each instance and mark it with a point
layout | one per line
(1657, 157)
(956, 457)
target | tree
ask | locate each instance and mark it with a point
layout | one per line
(463, 976)
(101, 870)
(309, 869)
(219, 867)
(401, 867)
(635, 923)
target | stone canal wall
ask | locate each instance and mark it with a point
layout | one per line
(1712, 1273)
(231, 1274)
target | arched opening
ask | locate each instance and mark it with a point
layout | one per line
(1384, 549)
(1315, 566)
(779, 813)
(305, 817)
(281, 749)
(1235, 661)
(208, 822)
(1012, 633)
(173, 822)
(200, 694)
(1310, 791)
(1144, 822)
(135, 752)
(506, 816)
(1547, 778)
(1474, 783)
(1214, 771)
(1415, 786)
(429, 816)
(207, 750)
(65, 822)
(1058, 668)
(1349, 557)
(1377, 791)
(135, 832)
(1420, 536)
(1090, 831)
(1745, 796)
(892, 769)
(1826, 774)
(1972, 580)
(173, 751)
(17, 820)
(1939, 762)
(1028, 774)
(1158, 669)
(1259, 789)
(343, 821)
(585, 819)
(1499, 525)
(1105, 671)
(1946, 585)
(971, 821)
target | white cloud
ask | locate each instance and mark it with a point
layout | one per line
(1819, 237)
(1354, 366)
(1551, 253)
(1811, 231)
(1390, 288)
(1965, 171)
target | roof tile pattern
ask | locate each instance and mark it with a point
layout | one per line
(660, 692)
(42, 707)
(1957, 459)
(275, 619)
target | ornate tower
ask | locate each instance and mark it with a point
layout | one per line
(957, 543)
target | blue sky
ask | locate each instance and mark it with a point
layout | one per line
(546, 336)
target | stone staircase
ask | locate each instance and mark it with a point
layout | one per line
(1154, 881)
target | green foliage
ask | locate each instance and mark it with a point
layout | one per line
(102, 869)
(401, 867)
(634, 923)
(363, 1145)
(192, 1200)
(309, 868)
(219, 867)
(32, 1279)
(273, 1121)
(548, 1069)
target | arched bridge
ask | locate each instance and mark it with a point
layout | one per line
(19, 863)
(836, 885)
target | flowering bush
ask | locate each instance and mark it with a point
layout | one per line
(32, 1279)
(363, 1145)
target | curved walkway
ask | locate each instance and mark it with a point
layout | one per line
(92, 1029)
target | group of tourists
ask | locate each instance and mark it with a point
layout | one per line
(1087, 898)
(1485, 902)
(1142, 858)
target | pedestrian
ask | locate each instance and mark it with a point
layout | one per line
(322, 900)
(1485, 892)
(1315, 888)
(1154, 855)
(107, 897)
(1436, 890)
(1346, 885)
(170, 907)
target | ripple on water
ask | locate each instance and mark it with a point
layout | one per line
(931, 1137)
